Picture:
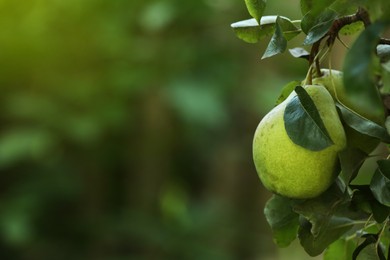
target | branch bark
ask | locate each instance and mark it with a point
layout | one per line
(361, 15)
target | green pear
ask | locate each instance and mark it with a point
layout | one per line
(333, 82)
(288, 169)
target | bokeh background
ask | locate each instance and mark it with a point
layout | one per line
(126, 130)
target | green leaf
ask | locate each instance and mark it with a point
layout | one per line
(341, 249)
(379, 211)
(385, 8)
(283, 221)
(364, 199)
(361, 198)
(286, 91)
(320, 26)
(386, 87)
(351, 159)
(363, 125)
(358, 70)
(321, 209)
(250, 31)
(386, 71)
(385, 241)
(327, 218)
(288, 28)
(380, 182)
(256, 8)
(306, 6)
(299, 53)
(366, 250)
(353, 28)
(345, 7)
(315, 245)
(303, 122)
(314, 6)
(308, 22)
(278, 43)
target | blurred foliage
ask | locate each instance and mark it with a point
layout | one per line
(126, 130)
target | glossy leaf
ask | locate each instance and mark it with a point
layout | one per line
(341, 249)
(380, 183)
(363, 125)
(256, 8)
(328, 217)
(283, 221)
(250, 31)
(286, 91)
(303, 123)
(315, 244)
(321, 26)
(321, 209)
(308, 21)
(288, 28)
(351, 159)
(278, 43)
(299, 53)
(358, 70)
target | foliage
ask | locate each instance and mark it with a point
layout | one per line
(349, 220)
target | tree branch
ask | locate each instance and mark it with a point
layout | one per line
(361, 15)
(384, 41)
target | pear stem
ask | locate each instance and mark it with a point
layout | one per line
(309, 79)
(318, 68)
(313, 58)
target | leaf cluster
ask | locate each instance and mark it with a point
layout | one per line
(349, 220)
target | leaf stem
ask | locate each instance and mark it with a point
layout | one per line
(381, 233)
(368, 220)
(354, 235)
(296, 21)
(313, 59)
(342, 42)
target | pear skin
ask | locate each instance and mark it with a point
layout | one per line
(332, 80)
(288, 169)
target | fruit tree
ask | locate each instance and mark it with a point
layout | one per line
(310, 149)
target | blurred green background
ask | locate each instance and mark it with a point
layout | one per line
(126, 130)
